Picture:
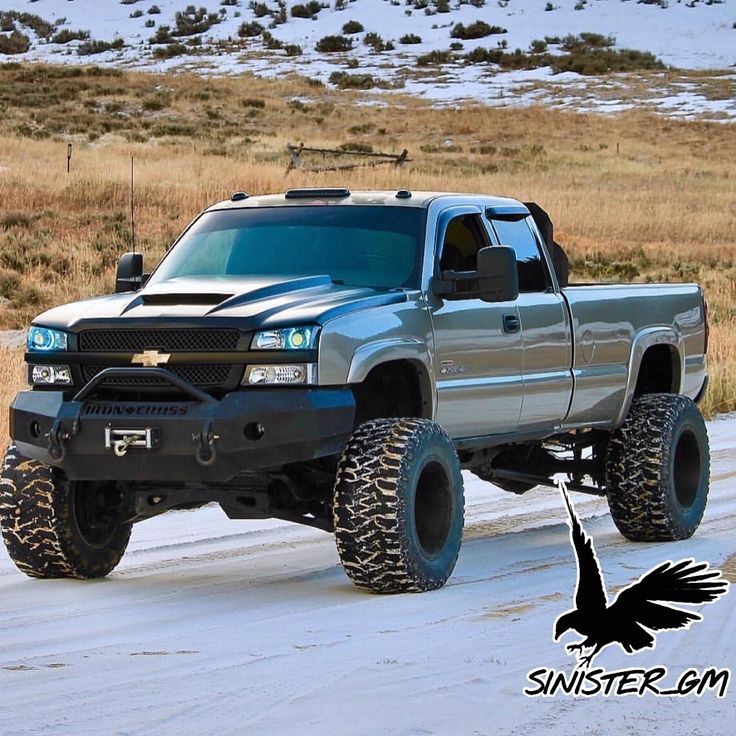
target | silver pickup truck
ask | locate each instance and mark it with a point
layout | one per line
(335, 359)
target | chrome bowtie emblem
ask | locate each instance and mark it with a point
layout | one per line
(150, 358)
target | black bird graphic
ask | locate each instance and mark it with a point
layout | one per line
(638, 610)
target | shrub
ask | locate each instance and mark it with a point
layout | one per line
(171, 50)
(602, 61)
(590, 61)
(254, 102)
(435, 57)
(89, 48)
(410, 38)
(480, 55)
(343, 80)
(271, 42)
(260, 10)
(352, 26)
(154, 104)
(587, 41)
(248, 30)
(308, 10)
(65, 36)
(162, 35)
(154, 10)
(356, 147)
(9, 283)
(192, 21)
(16, 219)
(42, 28)
(136, 14)
(479, 29)
(377, 43)
(362, 128)
(538, 46)
(293, 49)
(15, 43)
(334, 44)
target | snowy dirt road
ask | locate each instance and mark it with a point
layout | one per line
(216, 626)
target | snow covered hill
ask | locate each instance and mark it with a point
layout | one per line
(442, 49)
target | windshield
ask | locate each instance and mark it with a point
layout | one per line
(378, 247)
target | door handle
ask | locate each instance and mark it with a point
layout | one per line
(511, 323)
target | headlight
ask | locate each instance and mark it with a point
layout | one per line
(42, 339)
(291, 338)
(263, 375)
(47, 375)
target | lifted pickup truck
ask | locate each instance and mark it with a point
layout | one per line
(335, 359)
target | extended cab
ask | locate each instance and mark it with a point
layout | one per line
(335, 359)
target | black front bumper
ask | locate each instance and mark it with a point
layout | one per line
(203, 440)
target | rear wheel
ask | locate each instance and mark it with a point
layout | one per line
(398, 506)
(54, 528)
(658, 469)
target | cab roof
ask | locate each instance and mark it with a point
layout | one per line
(342, 197)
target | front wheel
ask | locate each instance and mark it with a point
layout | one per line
(54, 528)
(658, 469)
(398, 506)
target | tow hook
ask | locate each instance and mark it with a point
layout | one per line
(120, 447)
(57, 437)
(206, 453)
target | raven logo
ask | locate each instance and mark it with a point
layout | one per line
(639, 610)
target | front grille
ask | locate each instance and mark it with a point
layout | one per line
(172, 341)
(198, 375)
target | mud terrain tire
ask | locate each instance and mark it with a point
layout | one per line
(398, 506)
(45, 526)
(658, 469)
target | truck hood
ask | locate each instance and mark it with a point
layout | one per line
(247, 303)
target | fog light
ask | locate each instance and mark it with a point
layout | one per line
(304, 373)
(50, 374)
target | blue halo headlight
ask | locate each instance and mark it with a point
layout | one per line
(291, 338)
(43, 340)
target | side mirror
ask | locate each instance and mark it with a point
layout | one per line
(498, 276)
(130, 273)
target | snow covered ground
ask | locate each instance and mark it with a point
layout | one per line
(693, 35)
(217, 626)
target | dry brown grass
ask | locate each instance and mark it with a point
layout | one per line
(633, 196)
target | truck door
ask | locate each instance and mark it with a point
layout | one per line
(545, 324)
(477, 362)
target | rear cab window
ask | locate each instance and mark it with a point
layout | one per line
(517, 233)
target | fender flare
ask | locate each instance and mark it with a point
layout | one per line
(372, 354)
(643, 340)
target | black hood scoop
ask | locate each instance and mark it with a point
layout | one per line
(172, 299)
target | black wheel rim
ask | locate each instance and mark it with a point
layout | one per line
(96, 513)
(433, 508)
(687, 469)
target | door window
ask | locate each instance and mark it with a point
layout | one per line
(464, 237)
